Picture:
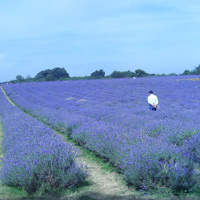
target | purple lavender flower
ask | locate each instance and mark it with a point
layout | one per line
(34, 156)
(111, 118)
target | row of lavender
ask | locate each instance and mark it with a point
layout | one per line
(111, 118)
(35, 157)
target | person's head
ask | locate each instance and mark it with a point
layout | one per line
(150, 92)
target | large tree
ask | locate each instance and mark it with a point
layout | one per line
(196, 71)
(20, 78)
(186, 72)
(140, 73)
(52, 74)
(41, 76)
(124, 74)
(98, 73)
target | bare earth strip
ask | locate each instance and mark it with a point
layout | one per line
(7, 96)
(106, 185)
(103, 183)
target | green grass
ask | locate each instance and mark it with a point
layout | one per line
(105, 165)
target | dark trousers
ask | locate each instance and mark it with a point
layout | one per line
(152, 108)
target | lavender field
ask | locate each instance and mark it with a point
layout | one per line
(34, 156)
(111, 118)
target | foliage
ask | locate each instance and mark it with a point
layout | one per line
(98, 73)
(172, 74)
(182, 177)
(125, 74)
(129, 74)
(28, 78)
(196, 71)
(141, 73)
(61, 74)
(20, 78)
(51, 74)
(159, 167)
(186, 72)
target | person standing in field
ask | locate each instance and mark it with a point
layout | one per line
(153, 101)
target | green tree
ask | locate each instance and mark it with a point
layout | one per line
(52, 75)
(59, 73)
(196, 71)
(124, 74)
(117, 74)
(28, 78)
(98, 73)
(141, 73)
(186, 72)
(172, 74)
(20, 78)
(42, 75)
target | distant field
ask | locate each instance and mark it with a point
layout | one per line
(152, 150)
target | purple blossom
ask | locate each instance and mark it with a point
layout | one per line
(111, 118)
(34, 155)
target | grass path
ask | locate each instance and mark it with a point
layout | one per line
(7, 96)
(103, 180)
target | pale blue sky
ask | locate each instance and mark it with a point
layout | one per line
(158, 36)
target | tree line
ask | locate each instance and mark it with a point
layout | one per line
(61, 74)
(195, 71)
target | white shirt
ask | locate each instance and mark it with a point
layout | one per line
(152, 99)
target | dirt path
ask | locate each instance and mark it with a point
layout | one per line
(7, 96)
(103, 183)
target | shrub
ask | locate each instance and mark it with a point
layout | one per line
(158, 165)
(37, 165)
(182, 177)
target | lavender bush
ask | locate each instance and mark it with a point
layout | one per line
(34, 157)
(111, 118)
